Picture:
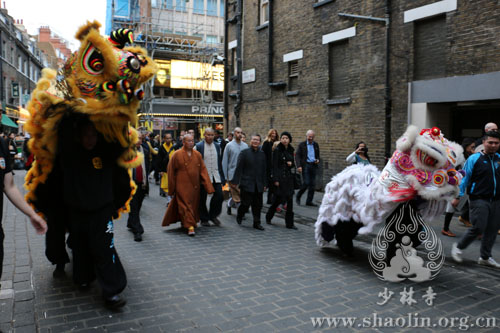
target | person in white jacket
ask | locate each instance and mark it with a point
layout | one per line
(359, 155)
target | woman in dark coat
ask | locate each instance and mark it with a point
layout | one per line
(267, 148)
(283, 179)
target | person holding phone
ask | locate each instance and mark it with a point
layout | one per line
(359, 155)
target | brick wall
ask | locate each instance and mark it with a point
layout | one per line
(469, 48)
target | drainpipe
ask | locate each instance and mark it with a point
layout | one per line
(387, 97)
(239, 96)
(270, 52)
(226, 69)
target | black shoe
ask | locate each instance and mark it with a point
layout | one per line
(291, 227)
(311, 204)
(84, 286)
(205, 223)
(216, 221)
(239, 219)
(138, 237)
(114, 302)
(258, 227)
(228, 210)
(268, 220)
(59, 272)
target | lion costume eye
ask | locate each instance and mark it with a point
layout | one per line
(93, 61)
(134, 64)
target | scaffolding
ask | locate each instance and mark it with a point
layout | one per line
(171, 34)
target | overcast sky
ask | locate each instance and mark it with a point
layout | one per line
(62, 16)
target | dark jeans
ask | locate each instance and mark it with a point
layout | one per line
(94, 253)
(308, 182)
(485, 220)
(289, 209)
(134, 219)
(215, 203)
(253, 199)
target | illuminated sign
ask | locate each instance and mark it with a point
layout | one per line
(163, 74)
(196, 75)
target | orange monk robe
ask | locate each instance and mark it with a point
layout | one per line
(185, 176)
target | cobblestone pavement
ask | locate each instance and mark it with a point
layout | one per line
(230, 278)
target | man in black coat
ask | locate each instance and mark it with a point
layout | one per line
(212, 156)
(307, 161)
(250, 175)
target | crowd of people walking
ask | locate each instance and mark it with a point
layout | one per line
(186, 171)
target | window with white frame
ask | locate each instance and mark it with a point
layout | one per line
(263, 11)
(20, 63)
(338, 72)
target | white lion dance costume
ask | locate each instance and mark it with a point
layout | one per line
(420, 178)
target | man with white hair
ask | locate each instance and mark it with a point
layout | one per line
(307, 161)
(212, 156)
(487, 128)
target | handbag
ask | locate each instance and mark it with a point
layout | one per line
(297, 180)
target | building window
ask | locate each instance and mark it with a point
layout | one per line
(212, 7)
(167, 4)
(3, 49)
(154, 3)
(430, 48)
(221, 13)
(263, 11)
(211, 39)
(25, 67)
(199, 7)
(293, 75)
(11, 55)
(20, 63)
(338, 72)
(180, 5)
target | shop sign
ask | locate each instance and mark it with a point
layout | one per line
(207, 109)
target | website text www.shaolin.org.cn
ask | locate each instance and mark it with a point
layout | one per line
(411, 320)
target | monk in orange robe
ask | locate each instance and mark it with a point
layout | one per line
(186, 173)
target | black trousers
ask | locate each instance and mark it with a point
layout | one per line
(55, 238)
(94, 253)
(308, 182)
(253, 199)
(134, 219)
(289, 209)
(215, 203)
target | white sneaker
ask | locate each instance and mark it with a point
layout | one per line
(455, 253)
(488, 262)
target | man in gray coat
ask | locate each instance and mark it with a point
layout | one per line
(229, 161)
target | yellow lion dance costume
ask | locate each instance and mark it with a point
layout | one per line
(101, 81)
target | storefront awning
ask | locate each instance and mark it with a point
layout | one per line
(6, 121)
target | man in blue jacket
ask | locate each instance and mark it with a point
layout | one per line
(482, 183)
(212, 156)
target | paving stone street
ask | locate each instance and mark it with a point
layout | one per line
(233, 278)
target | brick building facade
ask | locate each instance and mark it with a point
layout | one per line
(329, 72)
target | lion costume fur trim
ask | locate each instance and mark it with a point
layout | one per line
(54, 97)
